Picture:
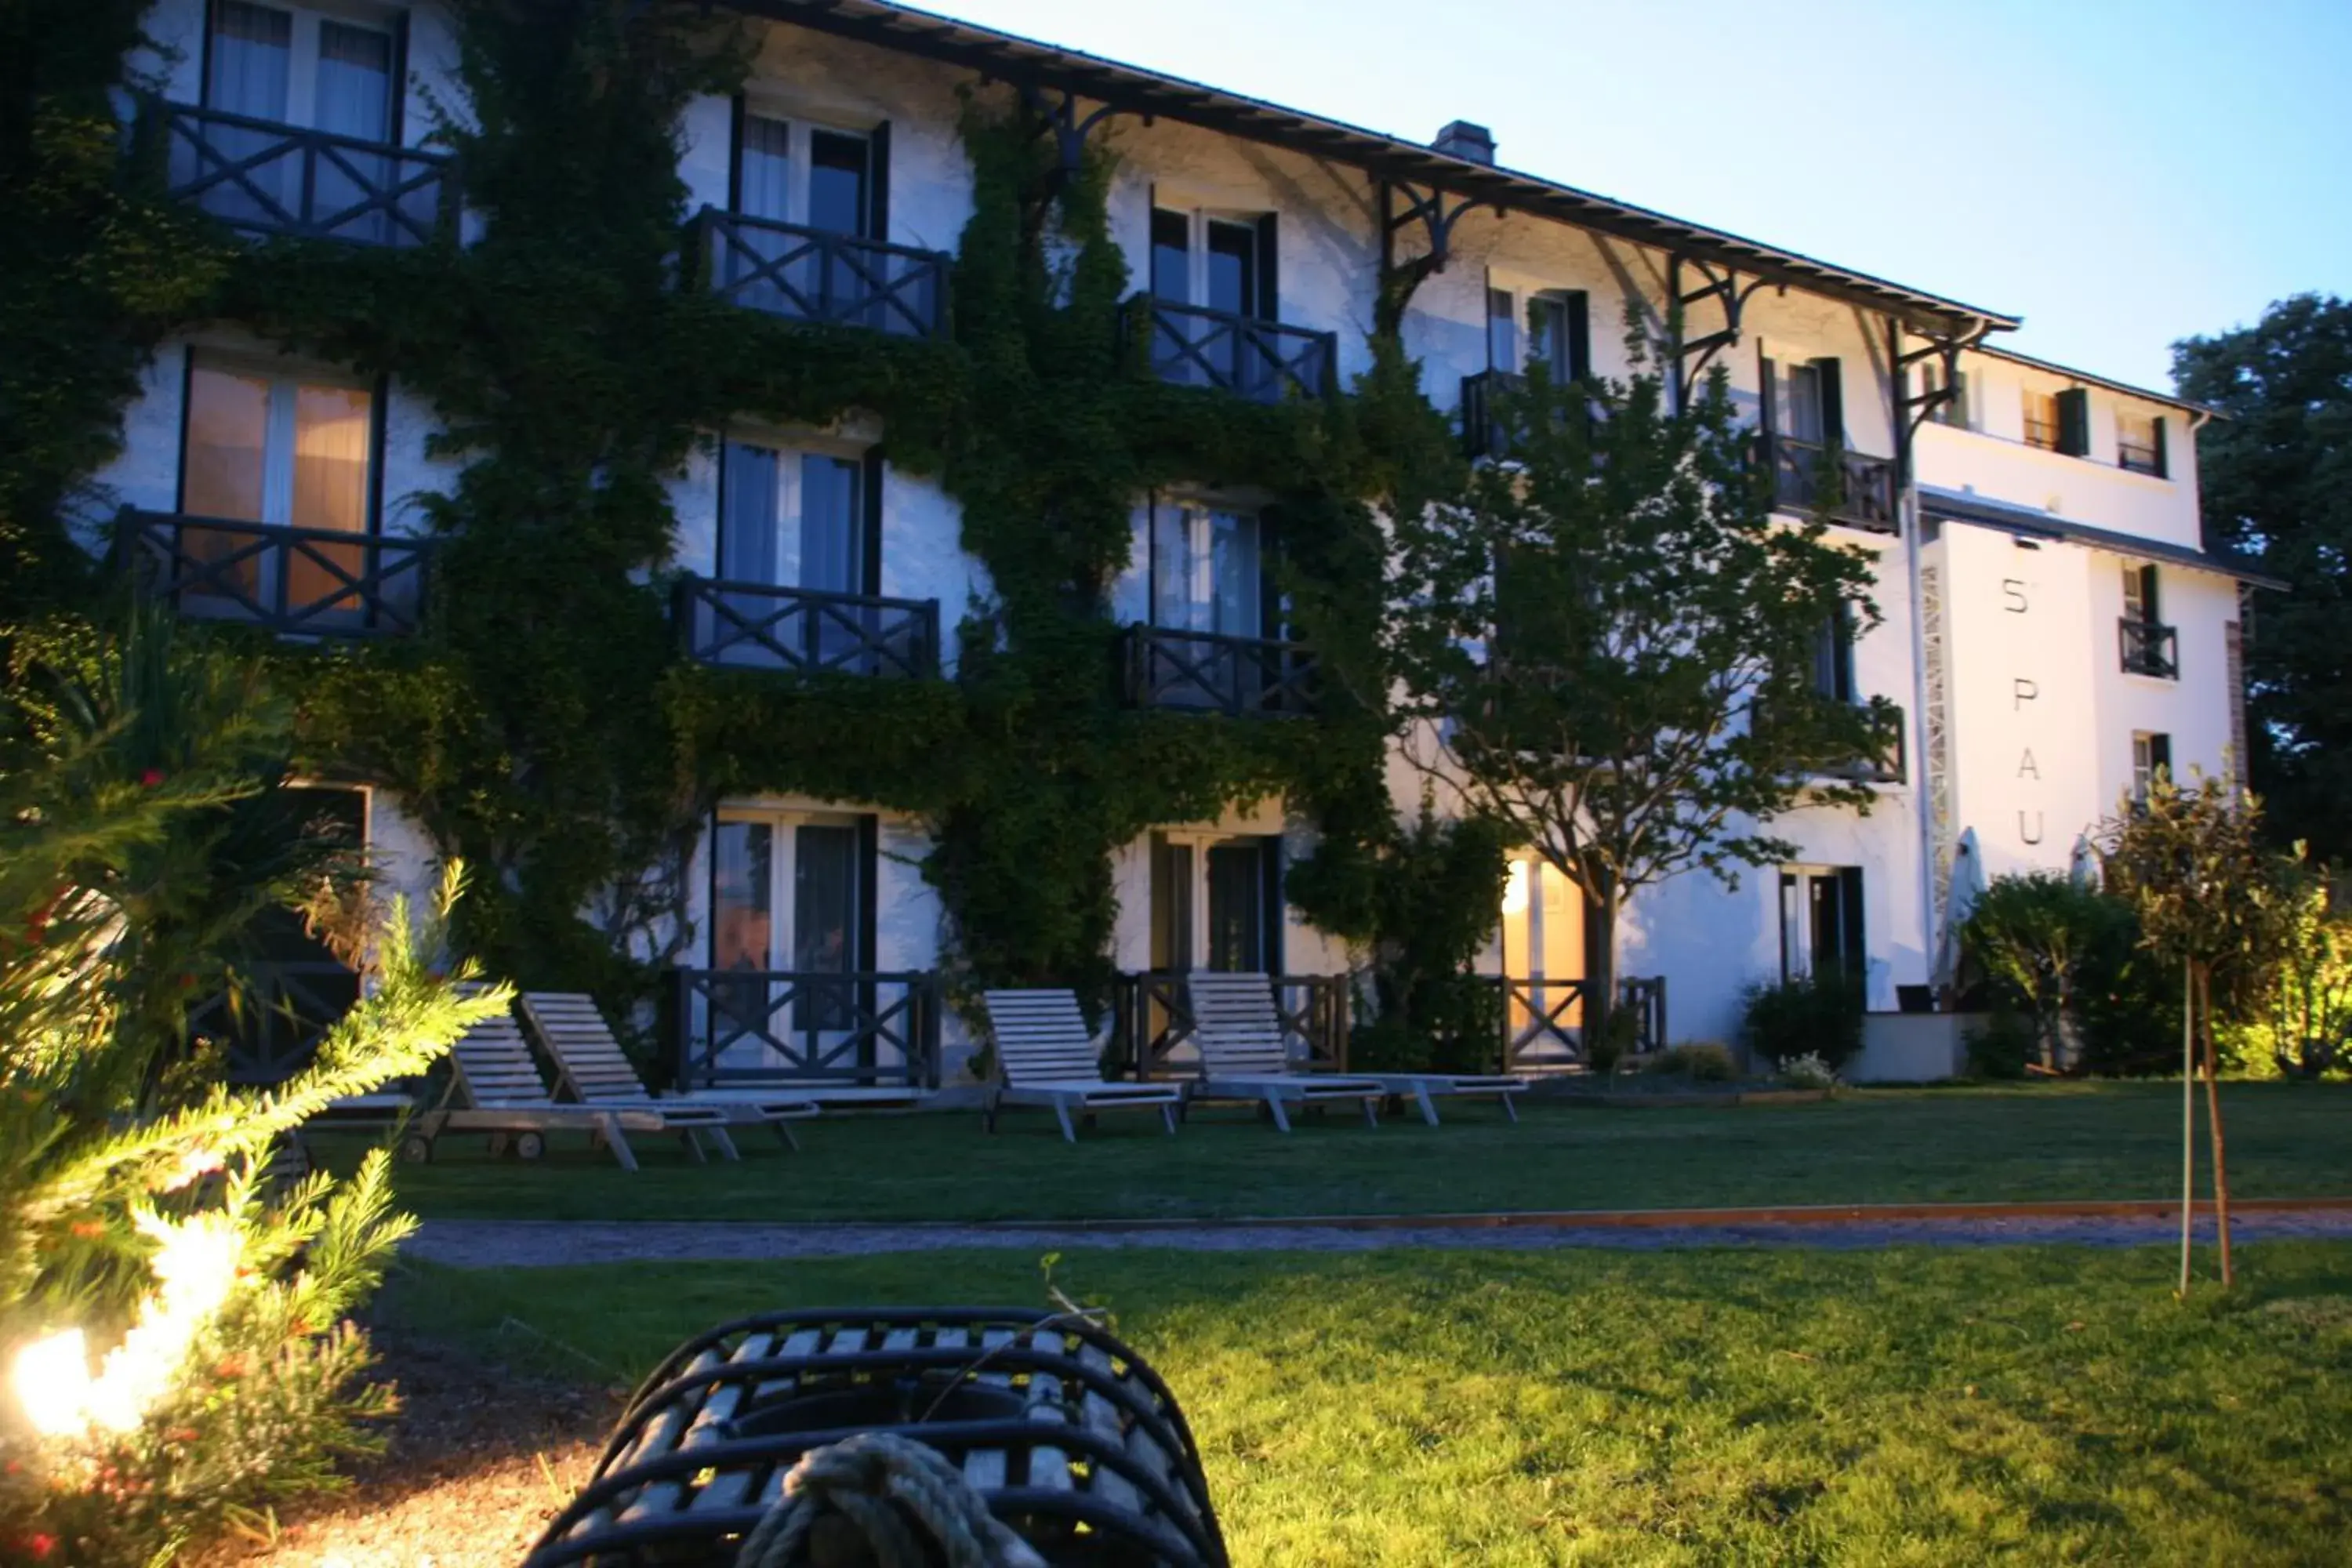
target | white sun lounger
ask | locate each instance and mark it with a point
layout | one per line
(1045, 1057)
(1243, 1055)
(592, 1068)
(495, 1088)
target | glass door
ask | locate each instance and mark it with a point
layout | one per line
(248, 73)
(1239, 921)
(787, 915)
(1543, 961)
(353, 93)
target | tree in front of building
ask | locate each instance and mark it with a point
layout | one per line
(173, 1324)
(1610, 646)
(2275, 477)
(2035, 934)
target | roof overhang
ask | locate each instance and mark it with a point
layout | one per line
(1004, 57)
(2024, 522)
(2204, 409)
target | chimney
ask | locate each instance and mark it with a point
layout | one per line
(1463, 140)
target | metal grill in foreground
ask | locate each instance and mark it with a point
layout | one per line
(1061, 1428)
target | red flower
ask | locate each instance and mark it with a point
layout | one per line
(229, 1367)
(151, 778)
(88, 1227)
(38, 1547)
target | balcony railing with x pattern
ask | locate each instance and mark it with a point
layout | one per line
(1888, 764)
(741, 1027)
(1543, 1019)
(1214, 673)
(816, 275)
(1482, 430)
(270, 1028)
(2150, 647)
(1263, 361)
(261, 178)
(1152, 1024)
(296, 582)
(747, 625)
(1866, 489)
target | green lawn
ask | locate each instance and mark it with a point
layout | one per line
(2063, 1141)
(2025, 1405)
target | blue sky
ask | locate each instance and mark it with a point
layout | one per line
(2120, 172)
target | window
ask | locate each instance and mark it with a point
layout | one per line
(2151, 758)
(1218, 260)
(1502, 330)
(794, 519)
(1807, 401)
(1821, 929)
(2140, 442)
(2141, 603)
(1954, 410)
(1552, 325)
(1205, 570)
(298, 67)
(789, 171)
(791, 893)
(2041, 420)
(262, 445)
(1833, 657)
(1216, 903)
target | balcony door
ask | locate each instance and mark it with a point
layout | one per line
(264, 446)
(1208, 578)
(819, 177)
(788, 909)
(299, 69)
(1223, 262)
(1542, 958)
(795, 519)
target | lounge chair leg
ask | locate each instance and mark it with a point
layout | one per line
(1168, 1118)
(725, 1142)
(693, 1146)
(1372, 1110)
(1510, 1111)
(1281, 1117)
(1428, 1106)
(1062, 1113)
(618, 1142)
(785, 1135)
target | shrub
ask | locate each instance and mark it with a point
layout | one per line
(2032, 935)
(1808, 1071)
(2307, 1000)
(2001, 1045)
(1702, 1061)
(1606, 1048)
(1818, 1014)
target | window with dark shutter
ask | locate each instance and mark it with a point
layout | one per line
(2074, 422)
(1829, 382)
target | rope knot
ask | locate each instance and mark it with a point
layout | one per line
(882, 1487)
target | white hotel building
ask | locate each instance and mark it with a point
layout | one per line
(2053, 625)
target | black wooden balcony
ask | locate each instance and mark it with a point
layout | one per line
(262, 179)
(816, 275)
(1266, 362)
(1543, 1019)
(1865, 498)
(296, 582)
(746, 1028)
(1213, 673)
(271, 1028)
(2150, 647)
(1152, 1024)
(1888, 764)
(748, 626)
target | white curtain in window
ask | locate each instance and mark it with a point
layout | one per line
(252, 58)
(355, 85)
(228, 421)
(762, 166)
(747, 534)
(832, 531)
(1205, 574)
(332, 426)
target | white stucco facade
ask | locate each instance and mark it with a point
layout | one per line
(2012, 644)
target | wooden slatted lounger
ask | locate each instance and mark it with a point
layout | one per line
(590, 1066)
(1045, 1057)
(495, 1088)
(1243, 1055)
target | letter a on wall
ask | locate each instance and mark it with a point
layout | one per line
(2025, 765)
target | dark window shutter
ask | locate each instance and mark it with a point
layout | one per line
(1580, 336)
(1768, 377)
(871, 483)
(2074, 422)
(1956, 412)
(1270, 920)
(1832, 384)
(877, 182)
(869, 857)
(2160, 755)
(1269, 290)
(735, 155)
(2163, 466)
(379, 409)
(1853, 955)
(2150, 609)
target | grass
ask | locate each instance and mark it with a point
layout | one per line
(2049, 1141)
(2037, 1405)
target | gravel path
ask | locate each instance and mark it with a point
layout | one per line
(531, 1244)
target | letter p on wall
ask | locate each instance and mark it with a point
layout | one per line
(2023, 691)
